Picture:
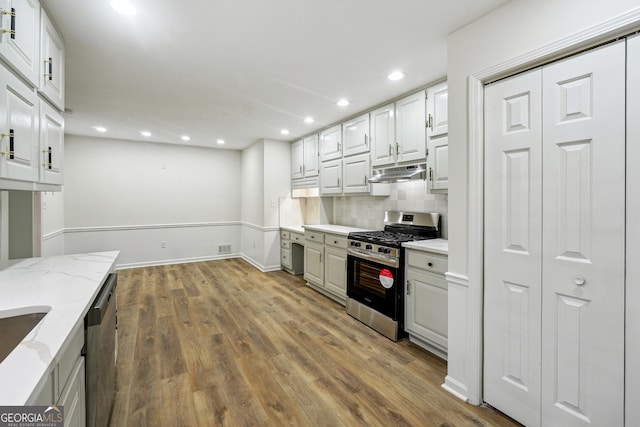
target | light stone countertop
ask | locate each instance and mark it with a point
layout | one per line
(293, 228)
(334, 229)
(438, 246)
(64, 285)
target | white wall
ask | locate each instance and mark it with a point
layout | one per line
(265, 178)
(52, 205)
(132, 196)
(516, 29)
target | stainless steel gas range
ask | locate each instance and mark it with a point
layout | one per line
(375, 270)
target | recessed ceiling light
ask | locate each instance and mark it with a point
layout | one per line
(343, 103)
(100, 128)
(285, 131)
(185, 138)
(123, 7)
(308, 119)
(145, 133)
(396, 75)
(220, 141)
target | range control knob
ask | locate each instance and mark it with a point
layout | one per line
(369, 247)
(356, 244)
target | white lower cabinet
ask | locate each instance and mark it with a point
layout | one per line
(73, 397)
(426, 300)
(314, 262)
(325, 264)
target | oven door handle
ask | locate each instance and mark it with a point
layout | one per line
(395, 263)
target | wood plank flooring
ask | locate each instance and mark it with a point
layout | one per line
(219, 343)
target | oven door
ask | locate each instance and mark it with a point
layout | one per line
(376, 285)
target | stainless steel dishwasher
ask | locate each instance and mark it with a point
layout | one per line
(100, 358)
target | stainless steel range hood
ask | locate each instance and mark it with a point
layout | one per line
(399, 174)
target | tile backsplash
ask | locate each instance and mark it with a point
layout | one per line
(364, 211)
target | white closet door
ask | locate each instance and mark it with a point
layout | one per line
(583, 239)
(632, 392)
(513, 233)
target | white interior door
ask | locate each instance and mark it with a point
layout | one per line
(632, 343)
(513, 234)
(583, 239)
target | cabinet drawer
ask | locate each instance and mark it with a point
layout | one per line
(314, 236)
(298, 238)
(286, 244)
(284, 235)
(333, 240)
(285, 257)
(427, 261)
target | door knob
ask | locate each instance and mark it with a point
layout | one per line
(579, 281)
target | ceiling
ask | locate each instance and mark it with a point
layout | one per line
(242, 70)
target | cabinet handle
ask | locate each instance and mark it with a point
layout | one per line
(49, 153)
(365, 180)
(339, 146)
(11, 151)
(49, 65)
(430, 264)
(431, 174)
(366, 143)
(397, 149)
(12, 30)
(579, 281)
(335, 242)
(430, 122)
(338, 182)
(390, 150)
(408, 287)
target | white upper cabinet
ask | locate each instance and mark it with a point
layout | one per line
(438, 110)
(330, 143)
(355, 136)
(437, 136)
(297, 160)
(20, 36)
(383, 133)
(331, 177)
(304, 157)
(356, 171)
(51, 144)
(310, 156)
(410, 128)
(19, 113)
(51, 83)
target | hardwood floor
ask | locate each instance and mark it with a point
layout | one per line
(220, 343)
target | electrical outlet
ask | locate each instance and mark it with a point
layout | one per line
(163, 244)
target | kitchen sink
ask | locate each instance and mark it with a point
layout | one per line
(16, 325)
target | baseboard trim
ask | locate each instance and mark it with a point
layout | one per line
(264, 269)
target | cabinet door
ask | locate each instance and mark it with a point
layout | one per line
(73, 397)
(51, 144)
(311, 156)
(297, 160)
(330, 145)
(331, 177)
(383, 133)
(411, 128)
(356, 171)
(355, 136)
(335, 271)
(314, 263)
(426, 307)
(19, 45)
(51, 63)
(285, 257)
(438, 110)
(438, 163)
(19, 113)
